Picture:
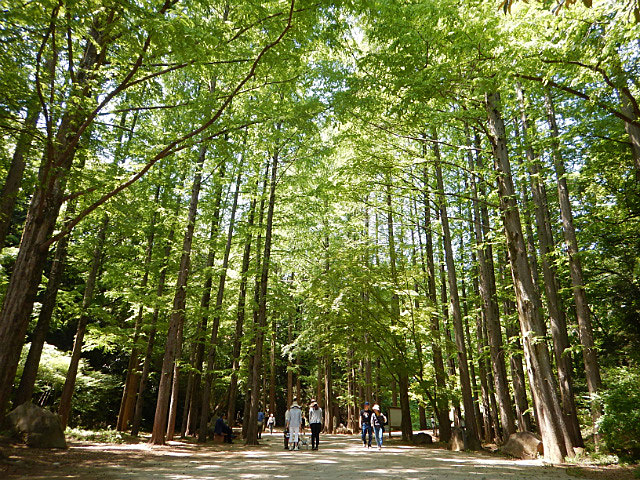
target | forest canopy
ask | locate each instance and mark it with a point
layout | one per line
(213, 207)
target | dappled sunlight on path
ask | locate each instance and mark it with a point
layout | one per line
(340, 457)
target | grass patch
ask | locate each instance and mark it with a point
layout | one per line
(100, 436)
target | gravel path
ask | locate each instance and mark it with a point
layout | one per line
(340, 457)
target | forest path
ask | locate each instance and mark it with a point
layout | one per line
(340, 457)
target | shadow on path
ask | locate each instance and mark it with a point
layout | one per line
(340, 457)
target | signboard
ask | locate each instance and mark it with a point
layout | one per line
(395, 417)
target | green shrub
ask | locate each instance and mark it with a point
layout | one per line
(620, 424)
(96, 395)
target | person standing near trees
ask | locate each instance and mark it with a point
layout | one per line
(294, 422)
(271, 422)
(315, 422)
(365, 425)
(378, 420)
(260, 423)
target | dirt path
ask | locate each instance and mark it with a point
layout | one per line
(340, 458)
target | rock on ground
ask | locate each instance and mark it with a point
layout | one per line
(37, 427)
(422, 439)
(524, 445)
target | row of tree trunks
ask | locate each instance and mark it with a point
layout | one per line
(463, 365)
(553, 429)
(173, 344)
(151, 335)
(240, 317)
(583, 314)
(556, 311)
(252, 418)
(132, 381)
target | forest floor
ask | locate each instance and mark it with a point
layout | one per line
(340, 457)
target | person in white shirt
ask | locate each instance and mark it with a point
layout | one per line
(294, 421)
(315, 422)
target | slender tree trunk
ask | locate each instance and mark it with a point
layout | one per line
(177, 314)
(583, 314)
(559, 332)
(220, 292)
(11, 186)
(289, 367)
(242, 297)
(133, 376)
(402, 373)
(555, 435)
(442, 411)
(463, 365)
(272, 367)
(252, 428)
(328, 395)
(151, 336)
(67, 390)
(487, 286)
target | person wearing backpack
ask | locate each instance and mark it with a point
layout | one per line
(378, 421)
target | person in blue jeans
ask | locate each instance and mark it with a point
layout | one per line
(260, 423)
(365, 424)
(378, 421)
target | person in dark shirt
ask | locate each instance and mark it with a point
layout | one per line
(365, 425)
(221, 428)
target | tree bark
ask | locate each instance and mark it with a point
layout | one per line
(442, 410)
(487, 286)
(583, 314)
(555, 436)
(69, 384)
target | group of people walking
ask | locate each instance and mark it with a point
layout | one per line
(372, 422)
(295, 421)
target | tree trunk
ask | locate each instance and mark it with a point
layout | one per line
(146, 365)
(583, 314)
(69, 384)
(172, 348)
(30, 371)
(220, 297)
(43, 213)
(242, 297)
(13, 181)
(133, 376)
(401, 366)
(555, 436)
(559, 332)
(487, 286)
(463, 365)
(328, 395)
(442, 411)
(252, 428)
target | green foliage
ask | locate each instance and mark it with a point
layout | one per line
(96, 394)
(620, 424)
